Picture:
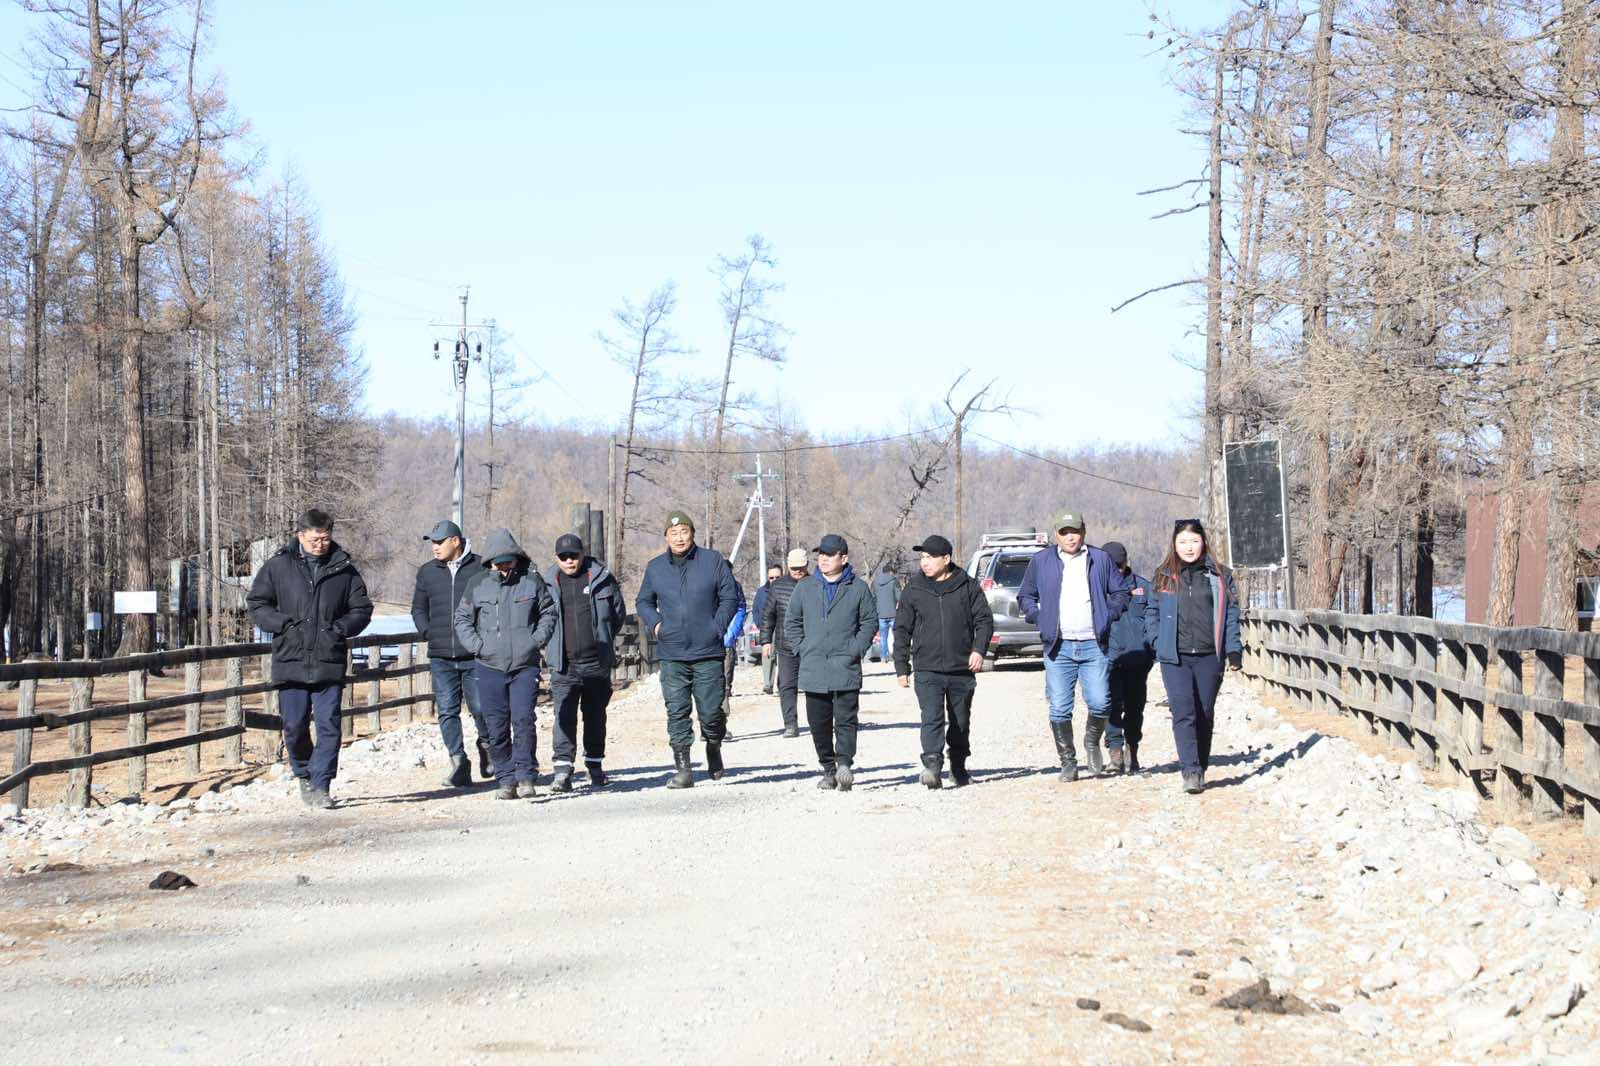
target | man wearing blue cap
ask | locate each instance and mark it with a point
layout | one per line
(441, 585)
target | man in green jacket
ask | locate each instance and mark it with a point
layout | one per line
(831, 619)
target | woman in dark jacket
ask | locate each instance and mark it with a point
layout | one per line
(1192, 620)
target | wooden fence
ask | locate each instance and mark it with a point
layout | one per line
(1456, 696)
(365, 673)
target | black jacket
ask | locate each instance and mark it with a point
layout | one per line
(607, 609)
(771, 620)
(941, 623)
(434, 600)
(310, 619)
(693, 603)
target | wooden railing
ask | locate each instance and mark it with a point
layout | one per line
(635, 660)
(1514, 709)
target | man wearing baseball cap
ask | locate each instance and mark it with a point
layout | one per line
(441, 585)
(687, 600)
(832, 619)
(798, 566)
(589, 604)
(943, 623)
(1073, 594)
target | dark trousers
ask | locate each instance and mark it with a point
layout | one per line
(689, 688)
(946, 701)
(730, 659)
(452, 682)
(1192, 688)
(769, 668)
(789, 688)
(507, 700)
(299, 706)
(1130, 683)
(832, 717)
(585, 686)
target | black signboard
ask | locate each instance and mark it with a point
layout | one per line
(1254, 472)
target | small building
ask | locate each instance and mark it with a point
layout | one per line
(1483, 506)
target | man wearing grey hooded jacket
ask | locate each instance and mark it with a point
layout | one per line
(505, 621)
(589, 608)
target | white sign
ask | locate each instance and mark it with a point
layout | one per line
(133, 602)
(94, 622)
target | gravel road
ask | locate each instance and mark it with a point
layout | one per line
(758, 920)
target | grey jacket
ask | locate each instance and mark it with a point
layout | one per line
(887, 588)
(830, 640)
(505, 622)
(606, 594)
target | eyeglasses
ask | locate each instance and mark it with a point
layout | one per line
(568, 557)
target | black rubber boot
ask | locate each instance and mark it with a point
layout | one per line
(844, 775)
(597, 776)
(562, 781)
(714, 760)
(1062, 731)
(684, 778)
(1092, 732)
(485, 764)
(958, 771)
(931, 772)
(1133, 757)
(460, 775)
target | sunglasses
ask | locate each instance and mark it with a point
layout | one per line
(567, 557)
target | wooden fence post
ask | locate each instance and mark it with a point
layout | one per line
(1472, 721)
(408, 681)
(1402, 657)
(22, 754)
(374, 689)
(191, 715)
(80, 741)
(1450, 708)
(1424, 727)
(1549, 736)
(233, 715)
(138, 732)
(1507, 780)
(1591, 750)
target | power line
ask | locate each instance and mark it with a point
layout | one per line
(1089, 473)
(768, 450)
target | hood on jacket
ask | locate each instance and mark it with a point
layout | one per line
(594, 572)
(958, 577)
(501, 542)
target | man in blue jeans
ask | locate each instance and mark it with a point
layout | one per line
(1073, 594)
(441, 585)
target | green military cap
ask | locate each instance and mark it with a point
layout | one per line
(679, 517)
(1070, 520)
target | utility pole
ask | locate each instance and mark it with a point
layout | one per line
(758, 506)
(464, 357)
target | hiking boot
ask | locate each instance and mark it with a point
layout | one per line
(684, 778)
(485, 763)
(843, 775)
(791, 731)
(958, 771)
(714, 760)
(305, 790)
(1062, 732)
(562, 781)
(318, 799)
(460, 775)
(1193, 783)
(829, 779)
(1117, 762)
(1133, 758)
(506, 791)
(597, 776)
(526, 790)
(931, 772)
(1092, 732)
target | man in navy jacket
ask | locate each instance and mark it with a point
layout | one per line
(687, 601)
(1073, 593)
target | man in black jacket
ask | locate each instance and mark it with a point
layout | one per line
(441, 585)
(944, 624)
(772, 639)
(687, 601)
(312, 600)
(588, 602)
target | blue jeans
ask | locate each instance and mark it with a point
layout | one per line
(507, 700)
(453, 680)
(301, 706)
(1075, 662)
(885, 627)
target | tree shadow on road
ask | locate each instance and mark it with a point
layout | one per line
(980, 775)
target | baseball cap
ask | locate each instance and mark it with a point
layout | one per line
(833, 544)
(798, 557)
(934, 545)
(443, 531)
(1070, 520)
(679, 518)
(569, 544)
(1118, 553)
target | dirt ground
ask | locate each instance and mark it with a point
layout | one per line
(757, 919)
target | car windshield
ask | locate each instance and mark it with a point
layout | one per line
(1008, 570)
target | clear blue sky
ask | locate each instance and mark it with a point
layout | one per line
(945, 186)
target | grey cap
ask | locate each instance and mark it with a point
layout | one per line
(444, 531)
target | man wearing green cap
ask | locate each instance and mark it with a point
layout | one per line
(687, 601)
(1073, 594)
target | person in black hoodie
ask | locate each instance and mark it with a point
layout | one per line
(943, 623)
(312, 600)
(442, 583)
(580, 654)
(1131, 660)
